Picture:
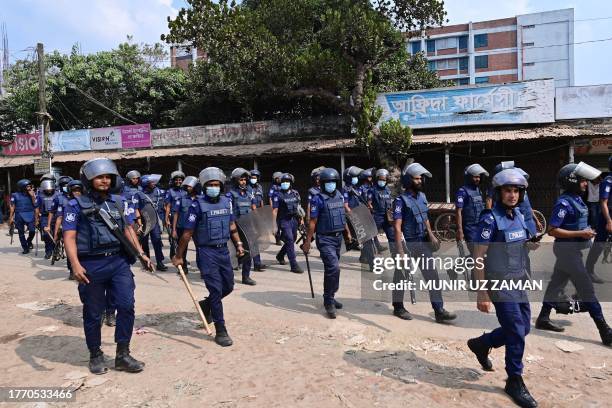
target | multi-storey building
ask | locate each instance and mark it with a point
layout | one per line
(529, 46)
(181, 56)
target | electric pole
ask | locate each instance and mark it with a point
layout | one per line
(42, 104)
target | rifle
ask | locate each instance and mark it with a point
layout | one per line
(12, 231)
(309, 273)
(173, 243)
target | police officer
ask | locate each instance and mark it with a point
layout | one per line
(365, 184)
(46, 205)
(569, 226)
(24, 212)
(502, 236)
(380, 203)
(212, 220)
(275, 188)
(174, 192)
(604, 225)
(328, 218)
(243, 203)
(315, 187)
(154, 195)
(410, 214)
(132, 194)
(59, 204)
(469, 204)
(285, 206)
(100, 263)
(256, 190)
(181, 209)
(351, 193)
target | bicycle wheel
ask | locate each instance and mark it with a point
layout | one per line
(540, 217)
(445, 227)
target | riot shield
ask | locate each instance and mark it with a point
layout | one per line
(247, 230)
(149, 218)
(362, 224)
(263, 228)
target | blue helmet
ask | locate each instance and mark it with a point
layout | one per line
(287, 177)
(413, 170)
(97, 167)
(63, 180)
(349, 173)
(510, 177)
(75, 183)
(150, 178)
(256, 173)
(366, 173)
(23, 183)
(571, 174)
(503, 165)
(329, 174)
(211, 174)
(47, 185)
(474, 170)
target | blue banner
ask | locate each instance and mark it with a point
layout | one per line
(70, 140)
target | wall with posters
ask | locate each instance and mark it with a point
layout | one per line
(24, 145)
(110, 138)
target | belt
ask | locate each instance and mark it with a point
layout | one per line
(215, 245)
(332, 234)
(102, 255)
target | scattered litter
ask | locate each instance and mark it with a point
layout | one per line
(356, 340)
(337, 373)
(568, 346)
(39, 306)
(48, 329)
(95, 381)
(75, 375)
(408, 380)
(141, 331)
(533, 359)
(282, 340)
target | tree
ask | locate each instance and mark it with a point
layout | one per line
(96, 90)
(269, 58)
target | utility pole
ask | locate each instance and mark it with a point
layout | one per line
(42, 104)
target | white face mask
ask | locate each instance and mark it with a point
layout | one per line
(382, 183)
(354, 181)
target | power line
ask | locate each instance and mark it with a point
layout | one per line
(67, 110)
(573, 43)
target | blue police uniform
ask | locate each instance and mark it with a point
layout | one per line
(287, 203)
(381, 203)
(256, 191)
(572, 214)
(313, 191)
(132, 195)
(469, 199)
(173, 194)
(328, 210)
(181, 207)
(507, 260)
(210, 221)
(242, 200)
(24, 216)
(351, 196)
(106, 265)
(47, 204)
(413, 211)
(526, 210)
(605, 189)
(156, 197)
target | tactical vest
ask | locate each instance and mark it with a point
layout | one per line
(288, 203)
(241, 202)
(186, 202)
(470, 213)
(93, 236)
(525, 208)
(413, 223)
(47, 202)
(157, 199)
(381, 200)
(24, 206)
(214, 225)
(331, 216)
(175, 194)
(581, 218)
(313, 191)
(353, 197)
(257, 192)
(506, 254)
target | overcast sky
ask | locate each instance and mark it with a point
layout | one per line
(102, 24)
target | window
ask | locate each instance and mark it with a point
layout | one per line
(529, 64)
(481, 61)
(416, 47)
(431, 45)
(431, 65)
(446, 43)
(463, 81)
(528, 44)
(463, 42)
(463, 63)
(446, 64)
(482, 80)
(481, 40)
(529, 26)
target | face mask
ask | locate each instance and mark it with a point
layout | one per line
(213, 192)
(330, 187)
(253, 181)
(354, 181)
(382, 183)
(65, 189)
(285, 185)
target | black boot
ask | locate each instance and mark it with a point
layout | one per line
(280, 259)
(400, 311)
(125, 362)
(443, 316)
(110, 319)
(516, 389)
(297, 269)
(97, 364)
(221, 337)
(260, 268)
(161, 267)
(331, 311)
(544, 323)
(604, 331)
(337, 304)
(482, 353)
(205, 306)
(246, 280)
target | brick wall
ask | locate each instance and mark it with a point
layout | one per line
(500, 79)
(494, 23)
(500, 61)
(505, 39)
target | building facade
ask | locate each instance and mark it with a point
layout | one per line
(524, 47)
(182, 56)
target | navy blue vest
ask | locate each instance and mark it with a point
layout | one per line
(241, 202)
(288, 203)
(381, 200)
(214, 225)
(186, 202)
(47, 202)
(506, 254)
(157, 198)
(354, 198)
(93, 236)
(470, 213)
(257, 192)
(175, 194)
(581, 218)
(413, 223)
(331, 216)
(24, 206)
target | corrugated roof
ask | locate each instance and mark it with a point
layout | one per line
(481, 135)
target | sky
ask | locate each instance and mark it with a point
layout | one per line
(102, 24)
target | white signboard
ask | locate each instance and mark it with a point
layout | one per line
(578, 102)
(105, 138)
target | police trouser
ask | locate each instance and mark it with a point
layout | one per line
(569, 266)
(171, 240)
(514, 316)
(49, 245)
(288, 229)
(595, 252)
(107, 275)
(21, 224)
(156, 240)
(257, 261)
(370, 247)
(421, 250)
(216, 270)
(329, 248)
